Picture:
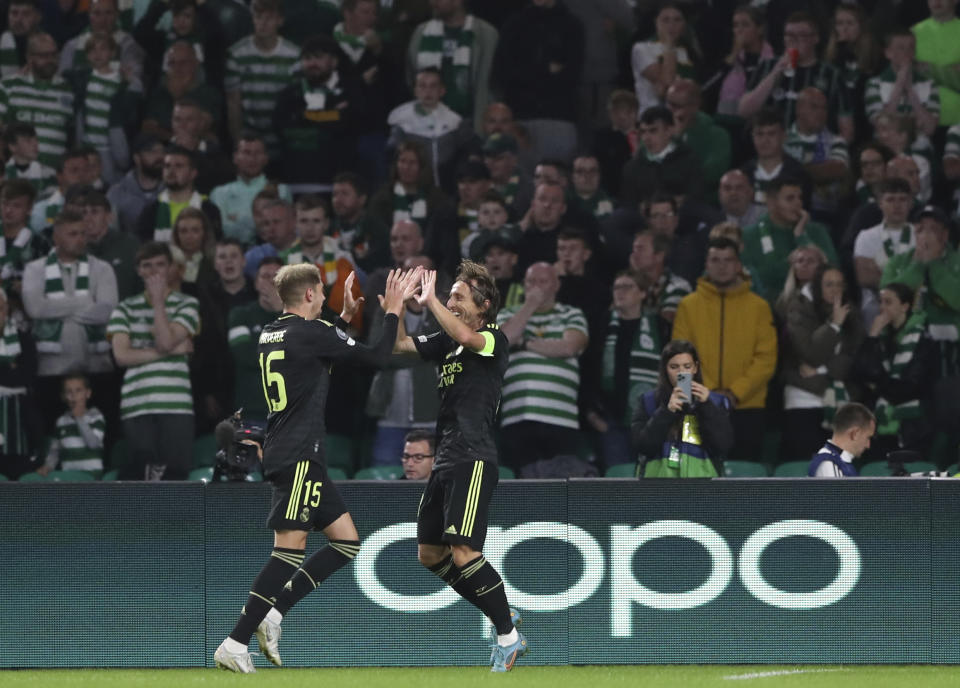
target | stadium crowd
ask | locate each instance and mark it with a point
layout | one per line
(774, 183)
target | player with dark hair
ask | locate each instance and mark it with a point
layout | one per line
(854, 425)
(472, 354)
(296, 352)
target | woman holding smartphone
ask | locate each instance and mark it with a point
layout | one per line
(681, 429)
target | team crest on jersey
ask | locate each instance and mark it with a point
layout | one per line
(345, 337)
(305, 515)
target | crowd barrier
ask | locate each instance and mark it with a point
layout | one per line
(603, 572)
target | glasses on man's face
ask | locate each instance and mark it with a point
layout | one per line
(416, 458)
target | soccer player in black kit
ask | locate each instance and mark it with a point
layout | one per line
(472, 354)
(295, 353)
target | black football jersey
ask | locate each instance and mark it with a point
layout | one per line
(470, 384)
(295, 357)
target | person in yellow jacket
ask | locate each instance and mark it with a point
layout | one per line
(732, 328)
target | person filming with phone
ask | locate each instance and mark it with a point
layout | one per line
(681, 429)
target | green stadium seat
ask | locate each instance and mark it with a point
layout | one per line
(205, 474)
(792, 469)
(919, 467)
(506, 473)
(4, 478)
(954, 469)
(71, 476)
(876, 469)
(110, 475)
(204, 450)
(378, 473)
(621, 470)
(744, 469)
(118, 453)
(335, 473)
(340, 452)
(32, 477)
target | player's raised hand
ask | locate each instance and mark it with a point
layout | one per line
(411, 281)
(350, 304)
(392, 300)
(428, 286)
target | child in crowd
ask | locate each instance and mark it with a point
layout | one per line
(78, 442)
(21, 140)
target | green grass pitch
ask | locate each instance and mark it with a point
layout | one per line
(728, 676)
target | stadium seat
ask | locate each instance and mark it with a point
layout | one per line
(71, 476)
(919, 467)
(118, 453)
(792, 469)
(204, 450)
(4, 478)
(378, 473)
(335, 473)
(340, 452)
(744, 469)
(621, 470)
(110, 475)
(876, 469)
(205, 474)
(506, 473)
(32, 477)
(954, 469)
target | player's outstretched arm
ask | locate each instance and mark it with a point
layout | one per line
(403, 344)
(458, 330)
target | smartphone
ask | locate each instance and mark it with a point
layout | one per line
(683, 382)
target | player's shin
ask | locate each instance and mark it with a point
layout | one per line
(315, 570)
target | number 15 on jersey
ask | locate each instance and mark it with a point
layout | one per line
(276, 398)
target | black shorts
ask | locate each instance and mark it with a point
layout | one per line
(304, 498)
(455, 504)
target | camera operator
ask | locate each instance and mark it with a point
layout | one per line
(240, 449)
(679, 437)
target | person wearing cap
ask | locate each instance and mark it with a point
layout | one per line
(139, 187)
(508, 177)
(933, 267)
(315, 117)
(426, 119)
(450, 232)
(499, 256)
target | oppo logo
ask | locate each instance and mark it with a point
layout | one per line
(625, 589)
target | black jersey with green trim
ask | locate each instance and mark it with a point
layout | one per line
(470, 384)
(295, 357)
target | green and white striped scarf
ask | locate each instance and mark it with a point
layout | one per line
(9, 343)
(889, 415)
(408, 206)
(455, 71)
(644, 360)
(833, 398)
(352, 45)
(9, 57)
(906, 234)
(47, 331)
(327, 263)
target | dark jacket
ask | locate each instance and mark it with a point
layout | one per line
(679, 172)
(812, 340)
(318, 143)
(531, 41)
(649, 432)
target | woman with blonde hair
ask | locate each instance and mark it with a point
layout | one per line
(804, 263)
